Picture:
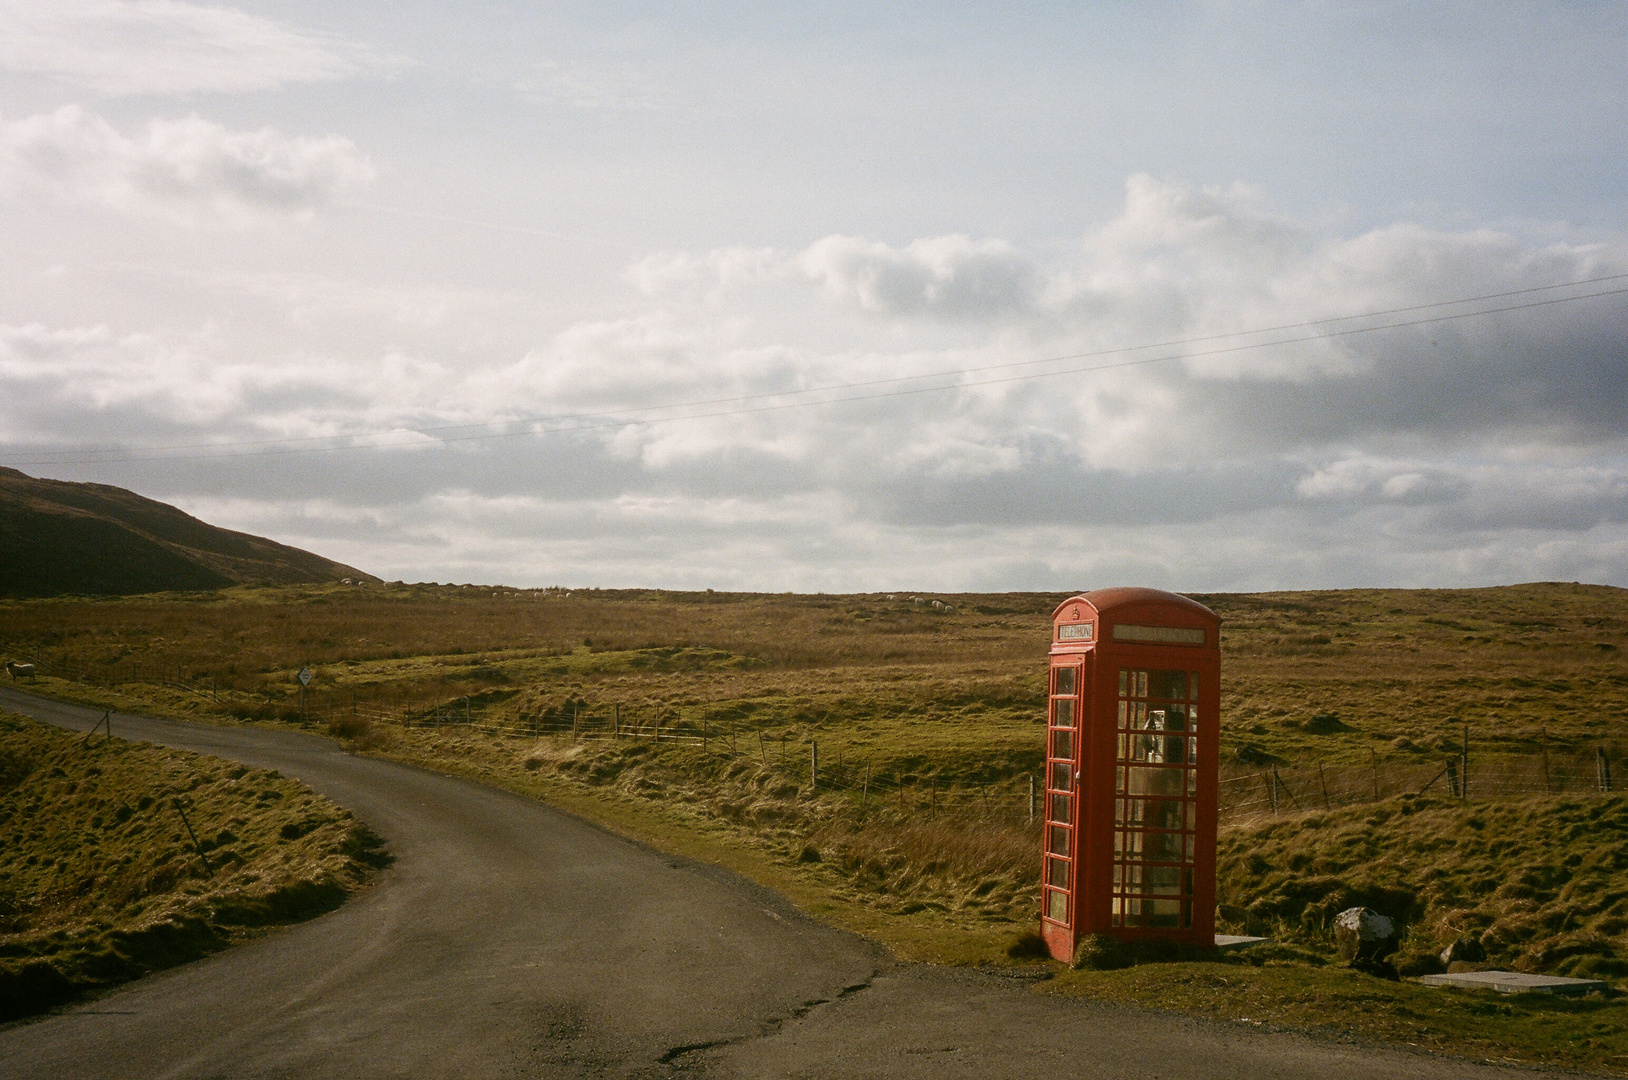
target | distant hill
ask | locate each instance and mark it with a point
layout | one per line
(58, 537)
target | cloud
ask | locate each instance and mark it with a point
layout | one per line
(123, 47)
(189, 170)
(946, 277)
(749, 417)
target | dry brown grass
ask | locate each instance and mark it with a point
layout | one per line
(99, 878)
(945, 709)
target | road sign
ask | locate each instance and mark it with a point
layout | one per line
(304, 676)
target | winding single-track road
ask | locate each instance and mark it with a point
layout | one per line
(510, 939)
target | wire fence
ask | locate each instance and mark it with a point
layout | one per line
(1276, 790)
(1247, 794)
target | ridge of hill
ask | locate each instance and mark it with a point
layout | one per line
(59, 537)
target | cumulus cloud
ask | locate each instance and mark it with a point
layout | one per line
(169, 47)
(947, 277)
(751, 418)
(189, 170)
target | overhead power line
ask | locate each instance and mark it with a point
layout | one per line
(566, 423)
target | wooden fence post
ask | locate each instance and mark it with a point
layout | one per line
(195, 845)
(1322, 782)
(1464, 766)
(865, 791)
(814, 765)
(1602, 768)
(1373, 760)
(1031, 798)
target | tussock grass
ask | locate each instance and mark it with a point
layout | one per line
(1541, 882)
(1336, 689)
(100, 881)
(1587, 1033)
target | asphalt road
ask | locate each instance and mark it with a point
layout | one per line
(512, 940)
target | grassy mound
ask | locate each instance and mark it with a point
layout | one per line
(100, 881)
(1541, 882)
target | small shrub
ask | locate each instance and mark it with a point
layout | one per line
(349, 727)
(1412, 965)
(1099, 952)
(1028, 946)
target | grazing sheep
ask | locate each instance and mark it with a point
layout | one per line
(19, 671)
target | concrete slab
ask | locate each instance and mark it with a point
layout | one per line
(1514, 982)
(1228, 942)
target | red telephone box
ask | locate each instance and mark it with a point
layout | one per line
(1131, 755)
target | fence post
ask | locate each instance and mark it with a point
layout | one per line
(814, 764)
(703, 734)
(762, 750)
(933, 805)
(196, 846)
(1031, 798)
(1272, 790)
(1602, 768)
(865, 791)
(1322, 782)
(1373, 760)
(1464, 766)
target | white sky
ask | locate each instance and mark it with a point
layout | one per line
(277, 262)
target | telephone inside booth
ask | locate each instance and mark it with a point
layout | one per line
(1131, 764)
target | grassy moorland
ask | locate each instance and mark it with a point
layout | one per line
(100, 882)
(1345, 704)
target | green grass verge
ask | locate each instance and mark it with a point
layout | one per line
(101, 881)
(1585, 1033)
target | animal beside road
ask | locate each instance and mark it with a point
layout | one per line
(19, 671)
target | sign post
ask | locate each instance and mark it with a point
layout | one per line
(305, 680)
